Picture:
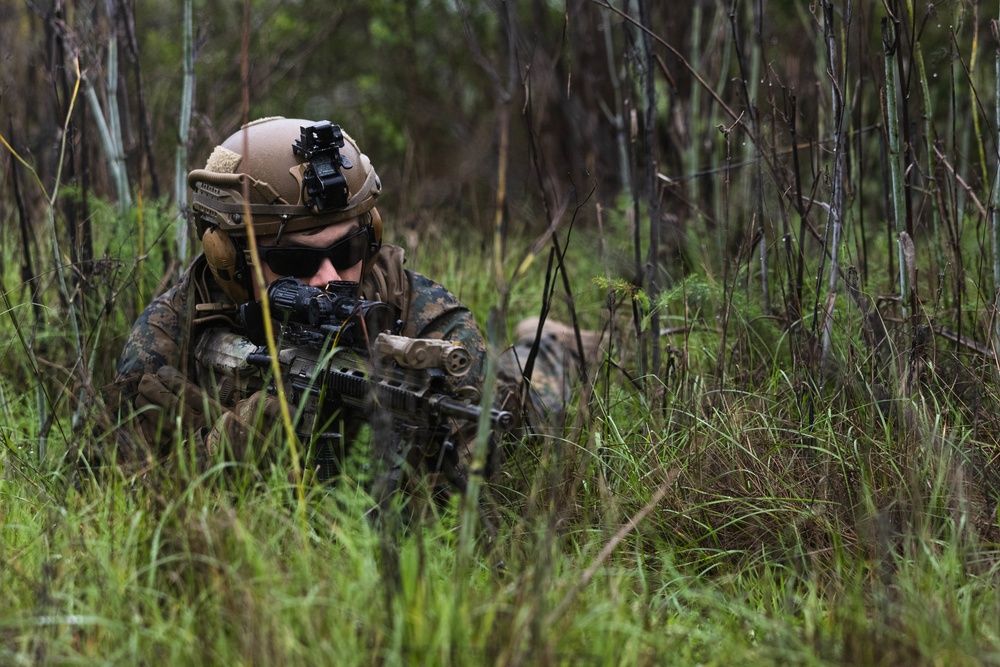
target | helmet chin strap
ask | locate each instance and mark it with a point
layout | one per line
(374, 245)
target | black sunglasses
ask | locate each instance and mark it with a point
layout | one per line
(300, 261)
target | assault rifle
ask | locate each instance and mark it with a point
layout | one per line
(340, 363)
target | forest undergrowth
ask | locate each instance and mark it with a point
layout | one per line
(720, 510)
(786, 452)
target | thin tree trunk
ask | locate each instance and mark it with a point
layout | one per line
(652, 194)
(995, 212)
(183, 133)
(890, 45)
(835, 212)
(127, 7)
(28, 275)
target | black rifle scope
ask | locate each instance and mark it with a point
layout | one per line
(334, 309)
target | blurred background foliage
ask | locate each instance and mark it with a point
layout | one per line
(417, 83)
(718, 121)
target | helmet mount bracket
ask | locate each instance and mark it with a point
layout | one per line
(324, 183)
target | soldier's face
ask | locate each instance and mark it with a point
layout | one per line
(330, 263)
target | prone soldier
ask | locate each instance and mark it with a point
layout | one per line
(309, 196)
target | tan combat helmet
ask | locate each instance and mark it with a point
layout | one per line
(280, 175)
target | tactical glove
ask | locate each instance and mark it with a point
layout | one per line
(247, 425)
(168, 405)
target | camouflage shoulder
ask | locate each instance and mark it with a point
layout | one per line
(157, 337)
(434, 312)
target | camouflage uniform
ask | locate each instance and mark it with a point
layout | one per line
(166, 332)
(548, 388)
(294, 176)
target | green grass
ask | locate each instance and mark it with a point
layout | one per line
(798, 526)
(756, 499)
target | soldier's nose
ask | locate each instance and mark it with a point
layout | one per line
(323, 275)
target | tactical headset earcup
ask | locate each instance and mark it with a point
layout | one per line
(226, 263)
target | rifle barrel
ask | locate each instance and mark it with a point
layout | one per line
(501, 419)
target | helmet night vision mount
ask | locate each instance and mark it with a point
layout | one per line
(323, 181)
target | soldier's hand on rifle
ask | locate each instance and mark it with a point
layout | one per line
(169, 405)
(247, 424)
